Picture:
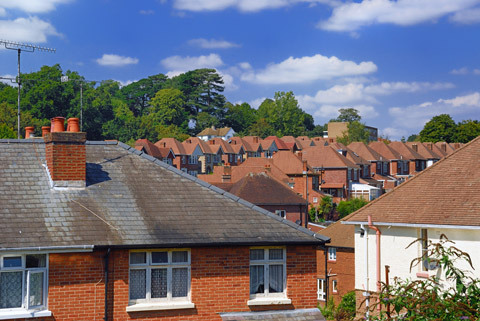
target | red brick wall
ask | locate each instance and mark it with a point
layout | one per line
(65, 155)
(219, 283)
(294, 213)
(343, 267)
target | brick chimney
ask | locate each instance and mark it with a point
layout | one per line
(227, 174)
(29, 131)
(66, 158)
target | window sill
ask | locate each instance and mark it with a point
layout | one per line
(269, 301)
(23, 314)
(160, 306)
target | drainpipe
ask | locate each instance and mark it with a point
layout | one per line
(106, 257)
(378, 234)
(365, 260)
(326, 275)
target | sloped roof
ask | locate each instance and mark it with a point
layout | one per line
(364, 151)
(288, 162)
(227, 148)
(131, 199)
(445, 147)
(424, 150)
(172, 143)
(340, 235)
(151, 149)
(204, 146)
(280, 143)
(325, 156)
(384, 150)
(211, 131)
(446, 193)
(405, 151)
(260, 189)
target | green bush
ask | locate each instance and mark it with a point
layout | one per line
(346, 207)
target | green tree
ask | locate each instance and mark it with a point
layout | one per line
(346, 207)
(285, 116)
(7, 132)
(139, 93)
(99, 105)
(322, 211)
(261, 128)
(123, 126)
(347, 115)
(467, 130)
(413, 138)
(205, 120)
(356, 132)
(169, 107)
(239, 116)
(440, 128)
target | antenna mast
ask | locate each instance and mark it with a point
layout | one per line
(19, 47)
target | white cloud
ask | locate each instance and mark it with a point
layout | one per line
(228, 81)
(7, 79)
(116, 60)
(243, 5)
(147, 12)
(32, 6)
(326, 112)
(212, 43)
(469, 16)
(393, 133)
(257, 102)
(308, 69)
(476, 71)
(181, 64)
(125, 83)
(357, 92)
(460, 71)
(353, 15)
(415, 117)
(3, 12)
(32, 29)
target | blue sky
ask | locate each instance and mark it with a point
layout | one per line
(398, 62)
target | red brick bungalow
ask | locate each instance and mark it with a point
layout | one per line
(100, 230)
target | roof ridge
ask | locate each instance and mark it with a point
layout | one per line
(441, 161)
(220, 191)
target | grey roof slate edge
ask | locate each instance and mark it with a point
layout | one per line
(22, 141)
(227, 194)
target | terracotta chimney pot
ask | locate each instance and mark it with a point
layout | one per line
(45, 130)
(73, 125)
(58, 124)
(29, 131)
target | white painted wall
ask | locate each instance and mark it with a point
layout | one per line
(394, 252)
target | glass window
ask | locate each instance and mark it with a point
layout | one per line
(334, 286)
(159, 275)
(267, 272)
(332, 254)
(23, 281)
(321, 295)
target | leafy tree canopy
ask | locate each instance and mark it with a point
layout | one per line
(356, 132)
(346, 207)
(347, 115)
(440, 128)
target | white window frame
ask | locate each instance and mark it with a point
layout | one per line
(26, 273)
(266, 262)
(321, 293)
(192, 160)
(334, 286)
(332, 253)
(148, 266)
(281, 213)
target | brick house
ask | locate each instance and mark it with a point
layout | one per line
(231, 155)
(336, 263)
(339, 172)
(399, 167)
(181, 160)
(416, 162)
(164, 154)
(100, 230)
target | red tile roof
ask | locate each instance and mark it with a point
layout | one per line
(384, 150)
(326, 156)
(425, 151)
(280, 143)
(172, 143)
(446, 193)
(364, 151)
(405, 151)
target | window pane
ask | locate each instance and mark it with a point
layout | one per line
(13, 261)
(36, 289)
(138, 258)
(275, 254)
(179, 256)
(276, 279)
(257, 281)
(11, 290)
(36, 261)
(159, 257)
(137, 284)
(256, 255)
(159, 283)
(179, 282)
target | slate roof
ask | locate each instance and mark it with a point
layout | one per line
(279, 315)
(131, 200)
(445, 194)
(260, 189)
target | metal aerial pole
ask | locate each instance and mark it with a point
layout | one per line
(19, 47)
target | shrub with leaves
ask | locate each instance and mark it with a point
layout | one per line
(456, 298)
